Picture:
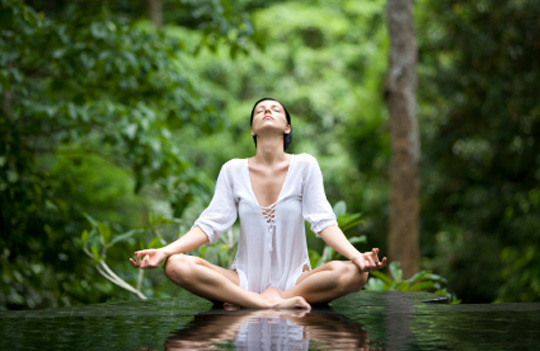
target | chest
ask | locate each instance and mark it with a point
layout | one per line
(267, 184)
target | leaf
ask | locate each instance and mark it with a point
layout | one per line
(348, 221)
(105, 232)
(122, 237)
(131, 130)
(203, 251)
(375, 284)
(340, 208)
(98, 30)
(154, 242)
(95, 254)
(427, 285)
(314, 258)
(383, 277)
(327, 254)
(434, 277)
(401, 286)
(92, 221)
(396, 272)
(362, 239)
(32, 17)
(418, 276)
(84, 237)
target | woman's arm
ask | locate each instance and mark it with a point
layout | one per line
(151, 258)
(367, 262)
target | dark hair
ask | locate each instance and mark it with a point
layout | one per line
(287, 138)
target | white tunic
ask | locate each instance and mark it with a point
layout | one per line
(272, 249)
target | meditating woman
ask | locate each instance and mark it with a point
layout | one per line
(272, 193)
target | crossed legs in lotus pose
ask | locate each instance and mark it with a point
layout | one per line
(323, 284)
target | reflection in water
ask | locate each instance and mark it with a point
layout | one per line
(323, 329)
(399, 316)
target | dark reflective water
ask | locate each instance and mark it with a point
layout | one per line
(374, 321)
(269, 330)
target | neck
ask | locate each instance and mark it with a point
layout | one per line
(270, 150)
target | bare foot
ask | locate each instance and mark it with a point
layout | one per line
(274, 297)
(293, 302)
(230, 307)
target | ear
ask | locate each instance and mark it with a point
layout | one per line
(252, 132)
(288, 130)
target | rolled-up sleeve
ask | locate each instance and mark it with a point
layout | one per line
(315, 206)
(221, 214)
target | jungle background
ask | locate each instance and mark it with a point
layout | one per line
(116, 117)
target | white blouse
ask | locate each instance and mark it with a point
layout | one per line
(272, 249)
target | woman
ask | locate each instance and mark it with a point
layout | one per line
(273, 193)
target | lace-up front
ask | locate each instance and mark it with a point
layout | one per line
(269, 213)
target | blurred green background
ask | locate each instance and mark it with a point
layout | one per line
(114, 124)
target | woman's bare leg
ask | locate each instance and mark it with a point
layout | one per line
(219, 284)
(328, 282)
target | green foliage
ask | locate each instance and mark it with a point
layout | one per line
(102, 114)
(421, 281)
(521, 274)
(480, 118)
(96, 243)
(90, 102)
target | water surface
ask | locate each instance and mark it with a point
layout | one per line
(366, 320)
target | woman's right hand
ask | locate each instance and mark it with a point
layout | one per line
(149, 258)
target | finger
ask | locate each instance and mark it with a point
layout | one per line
(375, 255)
(137, 259)
(146, 261)
(133, 263)
(370, 258)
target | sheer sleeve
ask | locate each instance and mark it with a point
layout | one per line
(315, 206)
(221, 214)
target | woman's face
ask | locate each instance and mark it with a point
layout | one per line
(269, 114)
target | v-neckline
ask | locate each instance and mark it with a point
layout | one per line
(282, 185)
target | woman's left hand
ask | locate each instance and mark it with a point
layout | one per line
(369, 261)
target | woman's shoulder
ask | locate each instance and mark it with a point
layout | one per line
(305, 159)
(305, 163)
(234, 164)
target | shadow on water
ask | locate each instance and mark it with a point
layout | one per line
(362, 321)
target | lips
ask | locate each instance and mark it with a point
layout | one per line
(268, 117)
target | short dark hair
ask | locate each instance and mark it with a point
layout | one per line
(287, 138)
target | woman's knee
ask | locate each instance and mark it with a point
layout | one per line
(179, 267)
(349, 275)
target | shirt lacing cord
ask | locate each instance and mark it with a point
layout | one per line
(269, 214)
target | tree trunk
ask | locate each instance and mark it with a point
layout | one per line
(400, 97)
(156, 13)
